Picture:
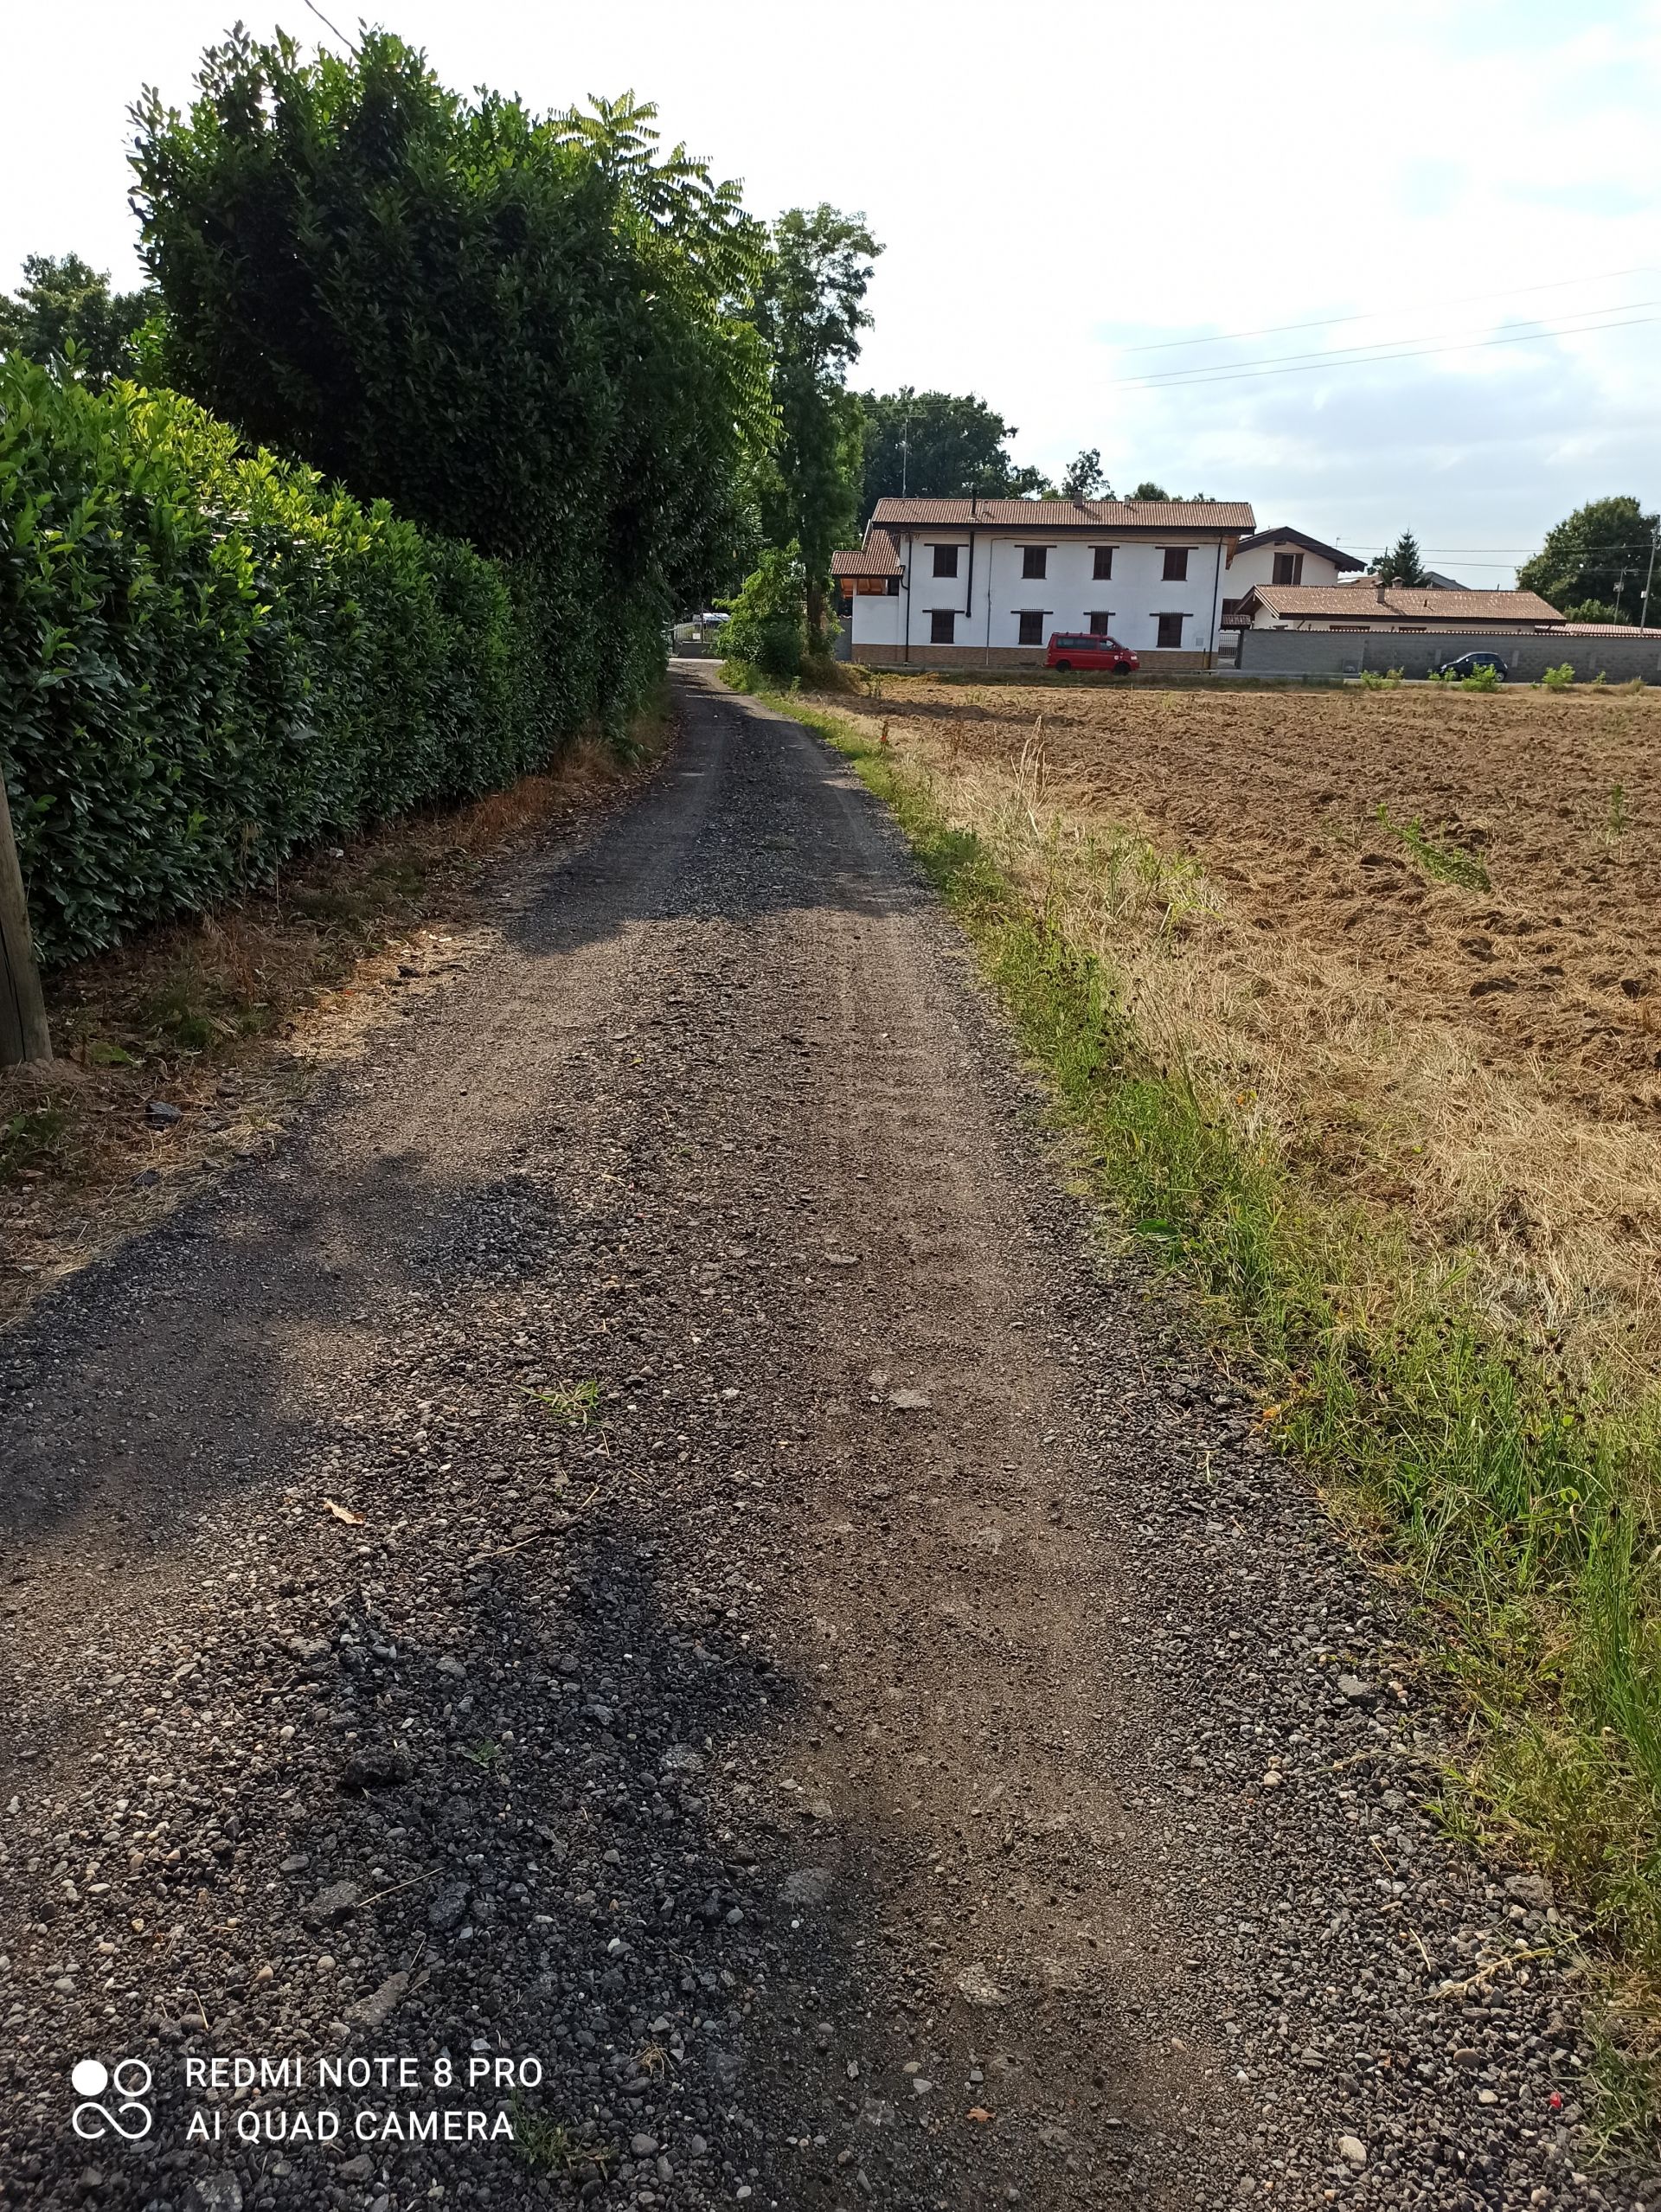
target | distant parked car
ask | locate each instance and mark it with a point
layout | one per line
(1086, 650)
(1468, 664)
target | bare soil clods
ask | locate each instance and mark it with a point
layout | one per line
(1554, 796)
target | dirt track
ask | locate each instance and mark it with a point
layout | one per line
(901, 1743)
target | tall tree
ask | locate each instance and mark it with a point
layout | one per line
(516, 328)
(939, 445)
(1084, 479)
(65, 305)
(1402, 564)
(1599, 552)
(1149, 490)
(808, 308)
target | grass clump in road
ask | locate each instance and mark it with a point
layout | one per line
(574, 1405)
(550, 2146)
(1517, 1486)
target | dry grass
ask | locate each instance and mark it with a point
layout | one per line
(233, 1018)
(1224, 854)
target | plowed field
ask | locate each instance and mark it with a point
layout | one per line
(1553, 799)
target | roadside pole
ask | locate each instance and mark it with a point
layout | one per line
(23, 1032)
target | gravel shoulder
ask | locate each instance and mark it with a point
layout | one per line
(652, 1539)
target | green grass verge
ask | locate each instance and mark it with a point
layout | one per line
(1519, 1495)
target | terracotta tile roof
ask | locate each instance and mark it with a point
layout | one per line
(1110, 514)
(1607, 630)
(1364, 603)
(876, 557)
(1285, 536)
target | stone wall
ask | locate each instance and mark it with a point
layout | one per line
(1346, 652)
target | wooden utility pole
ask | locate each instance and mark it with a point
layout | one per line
(23, 1033)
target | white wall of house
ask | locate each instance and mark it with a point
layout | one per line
(989, 603)
(877, 619)
(1257, 566)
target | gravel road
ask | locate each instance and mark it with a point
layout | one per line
(646, 1580)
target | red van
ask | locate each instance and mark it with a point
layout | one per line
(1083, 649)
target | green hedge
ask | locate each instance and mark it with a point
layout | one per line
(209, 660)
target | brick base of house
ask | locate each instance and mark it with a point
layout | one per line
(1012, 657)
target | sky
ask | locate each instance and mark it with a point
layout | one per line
(1074, 198)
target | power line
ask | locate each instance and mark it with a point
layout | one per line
(339, 33)
(1385, 348)
(1518, 555)
(1441, 553)
(1380, 349)
(1518, 552)
(1296, 365)
(1372, 315)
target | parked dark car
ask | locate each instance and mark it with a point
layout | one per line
(1468, 664)
(1074, 649)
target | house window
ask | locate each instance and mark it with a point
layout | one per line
(943, 625)
(1104, 567)
(946, 561)
(1170, 627)
(1100, 622)
(1034, 560)
(1175, 566)
(892, 587)
(1288, 567)
(1032, 626)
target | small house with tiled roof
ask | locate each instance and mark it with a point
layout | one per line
(1372, 605)
(1282, 556)
(980, 583)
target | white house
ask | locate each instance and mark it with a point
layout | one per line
(979, 583)
(1282, 556)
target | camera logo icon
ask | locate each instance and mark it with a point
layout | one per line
(127, 2113)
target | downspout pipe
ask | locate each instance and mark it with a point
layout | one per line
(1216, 604)
(911, 548)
